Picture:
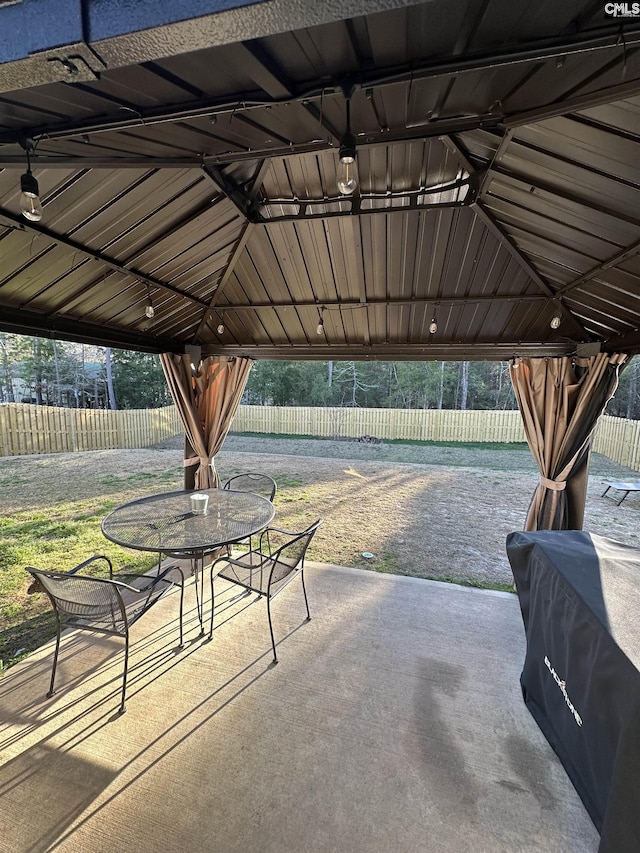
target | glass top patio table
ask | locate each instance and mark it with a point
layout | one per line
(165, 523)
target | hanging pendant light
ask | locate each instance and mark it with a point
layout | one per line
(149, 311)
(347, 181)
(320, 326)
(30, 204)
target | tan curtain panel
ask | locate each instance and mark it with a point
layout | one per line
(207, 398)
(560, 400)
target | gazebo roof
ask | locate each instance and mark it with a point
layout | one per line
(193, 162)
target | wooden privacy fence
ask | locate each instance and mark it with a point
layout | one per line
(25, 428)
(415, 424)
(619, 439)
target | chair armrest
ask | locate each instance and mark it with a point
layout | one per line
(281, 530)
(120, 579)
(231, 561)
(92, 560)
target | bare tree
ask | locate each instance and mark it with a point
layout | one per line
(632, 398)
(464, 384)
(110, 392)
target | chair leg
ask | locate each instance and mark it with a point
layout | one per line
(304, 589)
(181, 609)
(124, 674)
(273, 642)
(55, 659)
(213, 604)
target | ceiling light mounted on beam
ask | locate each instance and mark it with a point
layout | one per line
(347, 181)
(433, 326)
(320, 326)
(220, 328)
(30, 204)
(556, 320)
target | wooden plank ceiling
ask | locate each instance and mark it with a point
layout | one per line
(498, 145)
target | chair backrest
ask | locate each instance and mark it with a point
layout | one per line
(290, 556)
(259, 484)
(84, 602)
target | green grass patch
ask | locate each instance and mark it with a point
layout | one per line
(285, 482)
(476, 584)
(22, 639)
(467, 445)
(277, 435)
(58, 538)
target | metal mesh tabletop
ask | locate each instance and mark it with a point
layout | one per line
(166, 523)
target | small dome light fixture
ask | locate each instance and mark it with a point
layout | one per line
(556, 320)
(433, 326)
(220, 329)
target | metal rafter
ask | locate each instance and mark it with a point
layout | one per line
(573, 104)
(528, 52)
(510, 245)
(526, 183)
(132, 272)
(236, 254)
(380, 138)
(394, 352)
(531, 271)
(20, 321)
(351, 304)
(610, 263)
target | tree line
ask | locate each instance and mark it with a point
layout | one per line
(61, 373)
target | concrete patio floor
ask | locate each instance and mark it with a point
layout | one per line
(393, 722)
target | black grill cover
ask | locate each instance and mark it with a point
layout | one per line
(580, 601)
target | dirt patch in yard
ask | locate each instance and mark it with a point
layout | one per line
(440, 512)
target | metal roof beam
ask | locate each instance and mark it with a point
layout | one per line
(526, 183)
(610, 263)
(63, 240)
(351, 304)
(242, 200)
(573, 104)
(528, 52)
(515, 253)
(395, 352)
(22, 322)
(629, 343)
(236, 254)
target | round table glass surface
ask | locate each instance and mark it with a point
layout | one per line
(166, 522)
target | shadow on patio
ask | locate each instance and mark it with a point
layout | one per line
(394, 722)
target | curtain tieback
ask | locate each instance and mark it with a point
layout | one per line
(197, 460)
(554, 485)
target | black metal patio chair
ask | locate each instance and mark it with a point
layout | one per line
(104, 605)
(265, 571)
(259, 484)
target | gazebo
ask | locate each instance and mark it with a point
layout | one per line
(377, 179)
(388, 180)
